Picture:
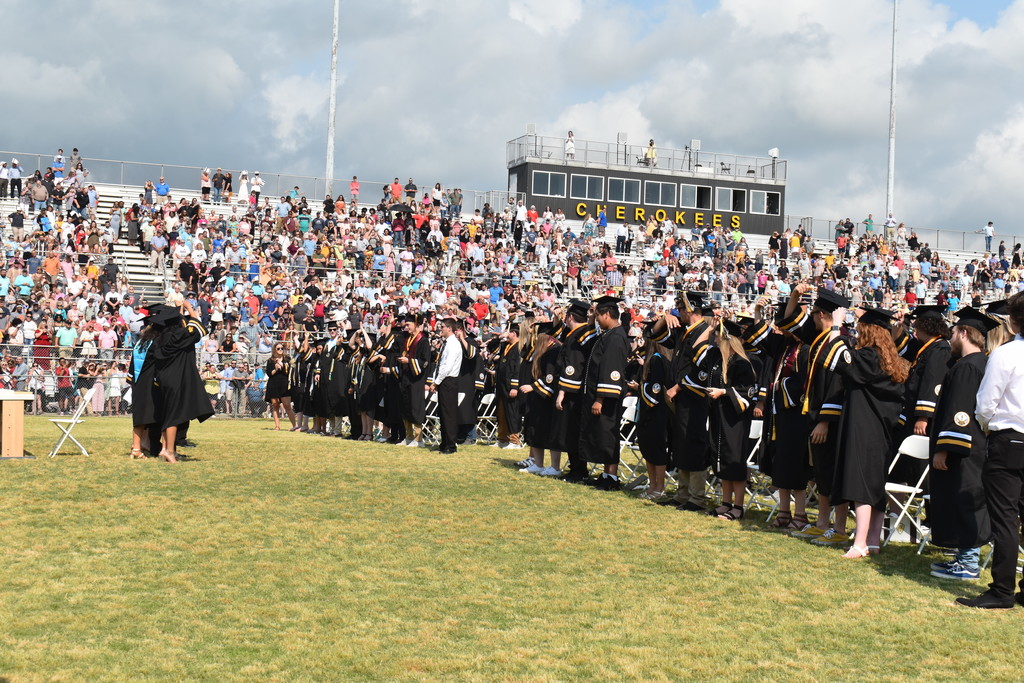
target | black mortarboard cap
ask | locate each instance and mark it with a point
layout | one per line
(607, 300)
(733, 328)
(876, 316)
(972, 317)
(828, 301)
(161, 314)
(708, 309)
(579, 307)
(692, 301)
(929, 311)
(545, 327)
(1001, 307)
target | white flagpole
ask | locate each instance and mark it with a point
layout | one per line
(332, 104)
(892, 118)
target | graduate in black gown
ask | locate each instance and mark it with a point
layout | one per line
(180, 393)
(930, 357)
(785, 455)
(957, 512)
(690, 415)
(604, 386)
(539, 424)
(279, 378)
(319, 397)
(507, 366)
(390, 343)
(577, 336)
(471, 382)
(873, 376)
(301, 384)
(654, 416)
(731, 387)
(413, 367)
(822, 403)
(142, 378)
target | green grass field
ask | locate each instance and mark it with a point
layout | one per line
(279, 556)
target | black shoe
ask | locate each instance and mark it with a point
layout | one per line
(986, 601)
(690, 506)
(1019, 599)
(609, 484)
(670, 501)
(591, 481)
(573, 478)
(185, 444)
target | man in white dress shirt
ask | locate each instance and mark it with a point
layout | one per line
(446, 384)
(1000, 412)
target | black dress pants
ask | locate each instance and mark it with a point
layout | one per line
(1003, 478)
(448, 411)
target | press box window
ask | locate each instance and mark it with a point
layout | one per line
(769, 203)
(587, 187)
(695, 197)
(548, 184)
(729, 199)
(625, 191)
(660, 194)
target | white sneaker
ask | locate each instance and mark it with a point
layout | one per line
(532, 469)
(407, 442)
(499, 444)
(511, 447)
(549, 472)
(413, 444)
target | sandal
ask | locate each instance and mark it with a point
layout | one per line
(782, 520)
(856, 552)
(733, 515)
(136, 454)
(168, 456)
(719, 511)
(799, 522)
(873, 549)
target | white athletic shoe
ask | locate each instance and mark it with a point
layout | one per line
(498, 444)
(413, 444)
(549, 472)
(511, 447)
(532, 469)
(406, 442)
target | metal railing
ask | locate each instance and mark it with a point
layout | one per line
(180, 177)
(547, 149)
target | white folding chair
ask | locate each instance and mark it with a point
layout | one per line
(759, 488)
(487, 419)
(67, 424)
(633, 463)
(432, 422)
(910, 499)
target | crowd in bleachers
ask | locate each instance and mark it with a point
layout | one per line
(258, 267)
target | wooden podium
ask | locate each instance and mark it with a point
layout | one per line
(12, 424)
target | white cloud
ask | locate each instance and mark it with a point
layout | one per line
(296, 106)
(546, 16)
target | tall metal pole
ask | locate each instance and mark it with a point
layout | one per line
(332, 104)
(892, 118)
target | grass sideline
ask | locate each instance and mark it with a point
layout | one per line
(279, 556)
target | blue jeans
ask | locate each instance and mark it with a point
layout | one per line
(968, 557)
(217, 193)
(988, 243)
(38, 205)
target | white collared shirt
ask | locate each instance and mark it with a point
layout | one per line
(1001, 394)
(451, 360)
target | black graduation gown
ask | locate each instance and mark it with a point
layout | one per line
(390, 408)
(822, 394)
(573, 356)
(470, 368)
(785, 437)
(278, 381)
(929, 364)
(654, 413)
(957, 514)
(539, 427)
(343, 379)
(143, 390)
(413, 376)
(321, 371)
(871, 409)
(507, 365)
(729, 416)
(180, 393)
(689, 429)
(302, 382)
(335, 389)
(605, 378)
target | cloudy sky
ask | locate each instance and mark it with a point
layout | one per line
(434, 89)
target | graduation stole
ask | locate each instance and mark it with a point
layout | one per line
(821, 341)
(921, 350)
(791, 355)
(410, 343)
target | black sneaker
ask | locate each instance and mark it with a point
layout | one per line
(573, 478)
(690, 506)
(986, 601)
(671, 501)
(1019, 599)
(610, 484)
